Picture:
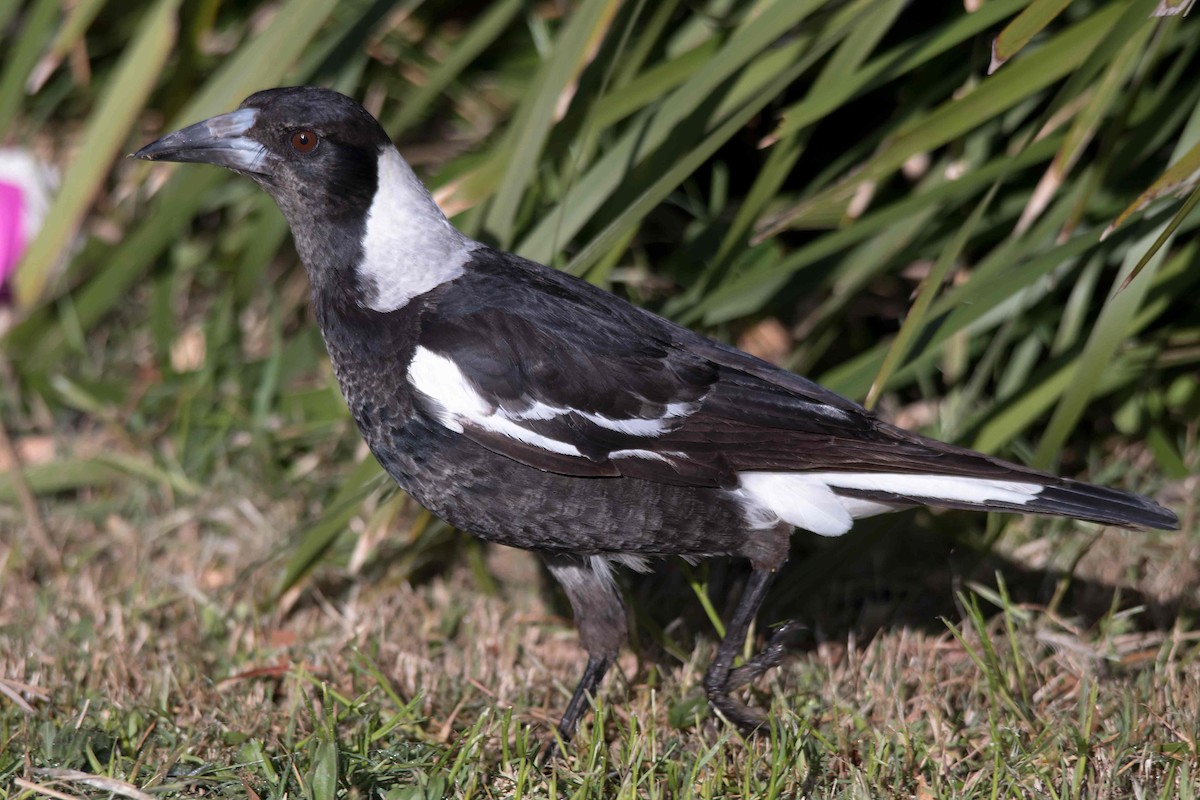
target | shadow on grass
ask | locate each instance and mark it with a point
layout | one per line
(902, 571)
(891, 573)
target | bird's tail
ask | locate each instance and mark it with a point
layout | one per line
(827, 503)
(1036, 493)
(981, 482)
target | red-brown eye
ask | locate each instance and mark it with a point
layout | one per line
(304, 142)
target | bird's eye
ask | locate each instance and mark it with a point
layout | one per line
(304, 142)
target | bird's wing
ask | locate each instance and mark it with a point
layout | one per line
(555, 383)
(563, 377)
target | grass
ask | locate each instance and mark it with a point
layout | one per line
(205, 589)
(157, 659)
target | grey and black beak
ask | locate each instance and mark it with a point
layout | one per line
(222, 140)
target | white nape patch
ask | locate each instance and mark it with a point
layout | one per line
(409, 246)
(456, 402)
(807, 499)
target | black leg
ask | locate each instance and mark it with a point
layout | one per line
(721, 679)
(600, 617)
(593, 674)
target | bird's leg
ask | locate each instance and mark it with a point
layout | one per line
(600, 617)
(593, 673)
(721, 679)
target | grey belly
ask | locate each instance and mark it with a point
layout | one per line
(504, 501)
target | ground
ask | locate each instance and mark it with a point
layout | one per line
(1060, 658)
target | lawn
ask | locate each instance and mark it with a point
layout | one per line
(975, 220)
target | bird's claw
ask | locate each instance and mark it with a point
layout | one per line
(750, 720)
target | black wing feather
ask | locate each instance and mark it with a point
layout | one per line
(525, 334)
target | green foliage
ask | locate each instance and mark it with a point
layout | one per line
(669, 142)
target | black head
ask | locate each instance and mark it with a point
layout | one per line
(365, 227)
(302, 144)
(315, 151)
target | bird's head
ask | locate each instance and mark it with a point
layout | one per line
(314, 150)
(363, 224)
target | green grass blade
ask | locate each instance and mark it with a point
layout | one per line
(893, 64)
(1176, 221)
(70, 35)
(1001, 285)
(1108, 91)
(37, 29)
(317, 538)
(260, 63)
(1025, 78)
(1109, 331)
(1016, 34)
(650, 87)
(650, 35)
(743, 293)
(1112, 326)
(646, 134)
(481, 35)
(917, 316)
(257, 64)
(1182, 176)
(117, 110)
(7, 9)
(530, 128)
(64, 475)
(846, 60)
(686, 164)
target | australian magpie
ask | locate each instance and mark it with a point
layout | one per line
(536, 410)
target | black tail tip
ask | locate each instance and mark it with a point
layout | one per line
(1107, 506)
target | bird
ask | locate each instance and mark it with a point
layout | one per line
(533, 409)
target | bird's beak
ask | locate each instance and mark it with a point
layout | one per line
(220, 140)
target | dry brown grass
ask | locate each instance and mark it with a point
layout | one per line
(156, 656)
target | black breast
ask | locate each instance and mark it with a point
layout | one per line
(370, 351)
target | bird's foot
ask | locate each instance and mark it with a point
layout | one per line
(549, 751)
(750, 720)
(768, 658)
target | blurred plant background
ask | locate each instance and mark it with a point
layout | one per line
(929, 208)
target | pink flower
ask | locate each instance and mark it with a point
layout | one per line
(12, 228)
(26, 185)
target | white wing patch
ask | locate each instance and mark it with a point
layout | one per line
(664, 455)
(456, 402)
(656, 426)
(807, 499)
(409, 246)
